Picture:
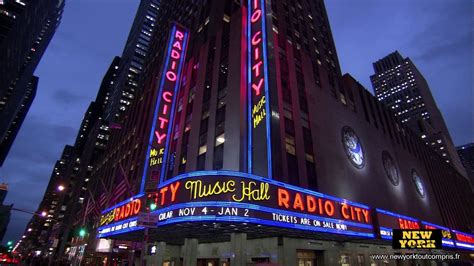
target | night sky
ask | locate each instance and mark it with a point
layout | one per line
(436, 34)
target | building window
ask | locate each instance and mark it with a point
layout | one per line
(218, 157)
(289, 127)
(311, 174)
(201, 161)
(290, 144)
(202, 149)
(293, 175)
(220, 139)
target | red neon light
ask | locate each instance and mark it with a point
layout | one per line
(464, 238)
(407, 224)
(321, 206)
(167, 96)
(167, 194)
(256, 42)
(130, 209)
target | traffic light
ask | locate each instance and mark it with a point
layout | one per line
(82, 232)
(151, 201)
(9, 243)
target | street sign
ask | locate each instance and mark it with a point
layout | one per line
(148, 220)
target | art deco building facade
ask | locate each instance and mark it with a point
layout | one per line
(246, 145)
(399, 84)
(26, 28)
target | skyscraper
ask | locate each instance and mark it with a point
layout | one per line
(246, 145)
(133, 57)
(26, 28)
(398, 83)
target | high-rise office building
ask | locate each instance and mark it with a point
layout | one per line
(466, 154)
(67, 187)
(246, 145)
(12, 131)
(26, 28)
(133, 59)
(41, 225)
(398, 83)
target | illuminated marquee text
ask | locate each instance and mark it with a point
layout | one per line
(129, 209)
(326, 207)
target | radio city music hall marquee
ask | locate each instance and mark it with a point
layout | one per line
(226, 196)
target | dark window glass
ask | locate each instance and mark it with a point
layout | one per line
(218, 157)
(312, 178)
(201, 161)
(293, 169)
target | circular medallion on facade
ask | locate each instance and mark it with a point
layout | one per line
(420, 187)
(353, 147)
(390, 168)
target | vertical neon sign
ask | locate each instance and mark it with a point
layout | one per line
(259, 137)
(160, 134)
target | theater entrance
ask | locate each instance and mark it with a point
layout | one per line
(306, 258)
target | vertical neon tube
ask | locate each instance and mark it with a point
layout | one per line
(267, 94)
(249, 86)
(155, 114)
(258, 102)
(155, 167)
(164, 168)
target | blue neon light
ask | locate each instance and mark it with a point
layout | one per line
(164, 167)
(435, 226)
(267, 94)
(388, 230)
(259, 208)
(249, 91)
(261, 179)
(259, 221)
(448, 243)
(397, 215)
(123, 203)
(121, 231)
(155, 115)
(464, 245)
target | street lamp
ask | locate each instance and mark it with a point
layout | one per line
(43, 213)
(61, 188)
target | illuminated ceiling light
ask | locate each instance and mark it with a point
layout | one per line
(220, 140)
